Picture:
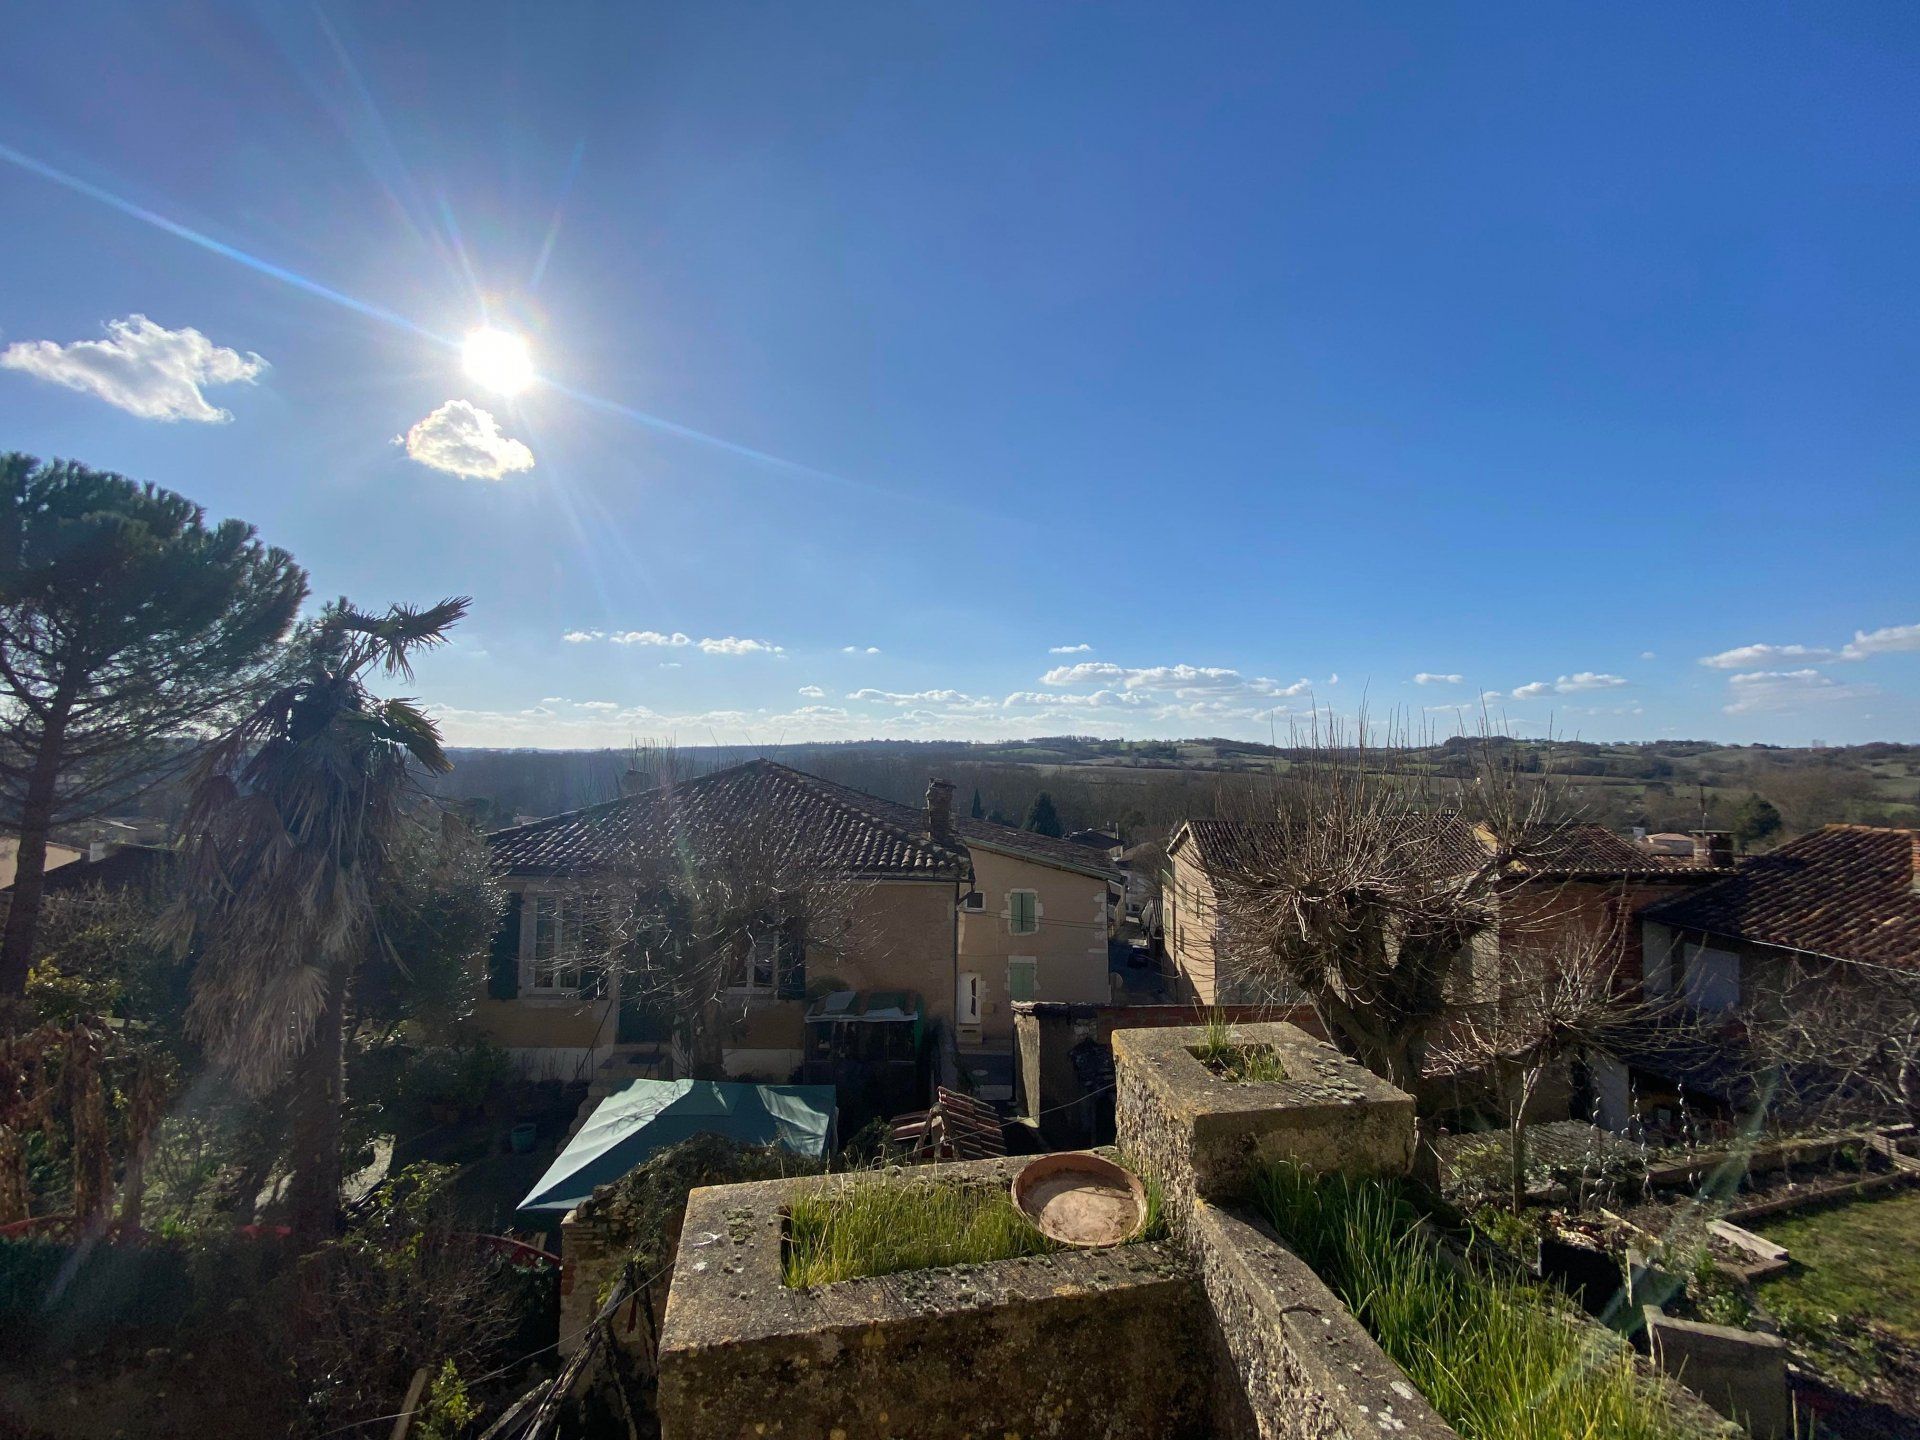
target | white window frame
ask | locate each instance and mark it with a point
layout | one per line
(1013, 929)
(1031, 964)
(769, 945)
(966, 987)
(566, 921)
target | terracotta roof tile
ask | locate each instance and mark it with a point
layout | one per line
(833, 826)
(1845, 891)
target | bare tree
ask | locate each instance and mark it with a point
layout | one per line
(1840, 1042)
(720, 896)
(1547, 1001)
(1371, 879)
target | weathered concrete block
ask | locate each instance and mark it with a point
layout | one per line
(1201, 1135)
(1105, 1343)
(1740, 1373)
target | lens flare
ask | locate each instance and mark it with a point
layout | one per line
(497, 359)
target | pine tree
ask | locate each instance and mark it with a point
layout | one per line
(979, 809)
(1042, 818)
(126, 621)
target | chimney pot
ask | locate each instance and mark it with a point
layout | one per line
(940, 811)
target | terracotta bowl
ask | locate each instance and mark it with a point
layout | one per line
(1080, 1199)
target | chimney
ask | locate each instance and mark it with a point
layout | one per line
(97, 851)
(1713, 848)
(940, 811)
(632, 782)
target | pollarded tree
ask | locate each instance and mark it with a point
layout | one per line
(294, 826)
(1370, 882)
(126, 621)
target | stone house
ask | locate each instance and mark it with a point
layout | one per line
(968, 915)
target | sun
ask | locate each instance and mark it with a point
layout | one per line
(498, 359)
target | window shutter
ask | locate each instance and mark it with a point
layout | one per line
(1020, 979)
(503, 970)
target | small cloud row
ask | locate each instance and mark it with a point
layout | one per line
(721, 645)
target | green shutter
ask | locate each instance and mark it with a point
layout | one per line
(503, 969)
(1024, 904)
(1020, 979)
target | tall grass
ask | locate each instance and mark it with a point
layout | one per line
(857, 1229)
(1498, 1360)
(1236, 1060)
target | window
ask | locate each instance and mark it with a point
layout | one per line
(967, 999)
(1023, 911)
(554, 961)
(1022, 976)
(754, 967)
(773, 962)
(1710, 979)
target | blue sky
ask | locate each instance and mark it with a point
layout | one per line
(886, 351)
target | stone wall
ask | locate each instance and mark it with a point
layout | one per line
(1304, 1367)
(1202, 1136)
(1052, 1091)
(1108, 1343)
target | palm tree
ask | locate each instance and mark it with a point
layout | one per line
(294, 818)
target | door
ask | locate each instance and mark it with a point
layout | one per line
(966, 1002)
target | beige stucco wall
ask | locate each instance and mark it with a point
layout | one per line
(1069, 949)
(899, 936)
(1188, 919)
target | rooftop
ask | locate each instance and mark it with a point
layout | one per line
(829, 825)
(1844, 891)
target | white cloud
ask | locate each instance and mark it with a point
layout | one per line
(1788, 690)
(1069, 649)
(1083, 673)
(1334, 679)
(1487, 697)
(916, 697)
(859, 649)
(599, 705)
(677, 640)
(1427, 677)
(813, 692)
(1588, 680)
(142, 368)
(1646, 654)
(649, 637)
(734, 645)
(462, 439)
(1569, 685)
(1098, 700)
(1884, 641)
(1746, 656)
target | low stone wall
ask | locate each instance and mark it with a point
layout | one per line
(1203, 1136)
(1740, 1373)
(1108, 1343)
(1304, 1367)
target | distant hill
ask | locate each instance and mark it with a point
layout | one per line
(1148, 785)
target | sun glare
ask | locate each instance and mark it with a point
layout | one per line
(499, 360)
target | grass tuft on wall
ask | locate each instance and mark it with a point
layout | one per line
(883, 1227)
(1498, 1360)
